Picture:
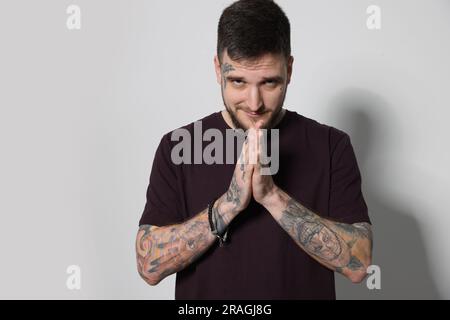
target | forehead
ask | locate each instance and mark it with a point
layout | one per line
(269, 63)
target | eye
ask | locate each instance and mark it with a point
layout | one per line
(238, 83)
(271, 83)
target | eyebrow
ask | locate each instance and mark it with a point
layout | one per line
(274, 79)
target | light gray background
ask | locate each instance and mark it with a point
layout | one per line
(82, 113)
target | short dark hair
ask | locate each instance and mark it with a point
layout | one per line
(250, 28)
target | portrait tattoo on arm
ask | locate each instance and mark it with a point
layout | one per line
(321, 240)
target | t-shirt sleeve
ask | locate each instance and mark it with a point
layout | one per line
(163, 205)
(346, 203)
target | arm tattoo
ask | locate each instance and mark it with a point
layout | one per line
(234, 192)
(322, 239)
(356, 231)
(162, 251)
(310, 233)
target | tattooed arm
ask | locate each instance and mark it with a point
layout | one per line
(161, 251)
(345, 248)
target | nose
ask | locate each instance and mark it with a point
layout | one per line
(255, 101)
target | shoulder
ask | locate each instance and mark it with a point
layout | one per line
(318, 133)
(212, 120)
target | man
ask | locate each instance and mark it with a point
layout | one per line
(283, 235)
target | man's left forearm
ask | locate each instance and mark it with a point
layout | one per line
(345, 248)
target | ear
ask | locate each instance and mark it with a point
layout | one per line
(218, 70)
(289, 69)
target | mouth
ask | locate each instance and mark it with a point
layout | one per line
(254, 115)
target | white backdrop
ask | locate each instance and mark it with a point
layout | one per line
(82, 112)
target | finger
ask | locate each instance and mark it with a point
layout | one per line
(250, 171)
(259, 142)
(256, 163)
(242, 169)
(241, 155)
(246, 153)
(260, 145)
(253, 146)
(243, 151)
(259, 124)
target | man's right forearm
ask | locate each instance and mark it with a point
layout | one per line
(162, 251)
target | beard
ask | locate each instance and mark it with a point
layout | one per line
(268, 125)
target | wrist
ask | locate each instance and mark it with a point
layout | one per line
(226, 208)
(272, 199)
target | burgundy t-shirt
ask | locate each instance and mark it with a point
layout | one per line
(317, 167)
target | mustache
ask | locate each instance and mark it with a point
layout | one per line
(262, 111)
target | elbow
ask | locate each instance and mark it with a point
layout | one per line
(360, 261)
(152, 274)
(358, 274)
(148, 272)
(152, 280)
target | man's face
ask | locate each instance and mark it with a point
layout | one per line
(254, 91)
